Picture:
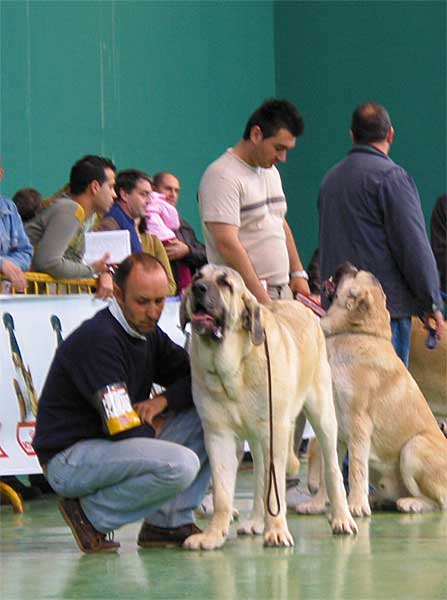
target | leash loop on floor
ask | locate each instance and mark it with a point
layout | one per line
(273, 483)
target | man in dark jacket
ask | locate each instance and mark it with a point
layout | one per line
(185, 249)
(370, 214)
(97, 435)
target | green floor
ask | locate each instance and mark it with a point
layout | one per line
(393, 557)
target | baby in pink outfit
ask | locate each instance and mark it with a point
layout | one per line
(161, 218)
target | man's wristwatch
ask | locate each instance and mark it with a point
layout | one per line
(301, 274)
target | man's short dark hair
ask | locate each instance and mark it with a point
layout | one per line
(28, 202)
(158, 177)
(147, 261)
(89, 168)
(127, 180)
(273, 115)
(370, 123)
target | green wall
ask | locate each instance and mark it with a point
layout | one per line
(332, 56)
(153, 85)
(169, 85)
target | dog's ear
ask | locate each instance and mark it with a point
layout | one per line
(358, 297)
(251, 319)
(183, 313)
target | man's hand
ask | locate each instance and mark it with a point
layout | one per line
(299, 285)
(105, 286)
(436, 322)
(176, 249)
(14, 274)
(101, 265)
(149, 411)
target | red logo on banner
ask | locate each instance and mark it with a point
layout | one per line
(25, 435)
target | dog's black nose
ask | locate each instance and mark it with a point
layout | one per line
(199, 288)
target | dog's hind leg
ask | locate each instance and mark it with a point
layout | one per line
(423, 466)
(222, 452)
(254, 525)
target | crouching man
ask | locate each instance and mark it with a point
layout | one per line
(96, 428)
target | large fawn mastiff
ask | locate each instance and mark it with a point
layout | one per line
(230, 375)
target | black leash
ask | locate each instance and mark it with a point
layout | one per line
(273, 483)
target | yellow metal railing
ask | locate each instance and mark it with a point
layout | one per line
(43, 284)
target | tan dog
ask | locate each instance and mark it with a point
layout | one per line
(230, 387)
(382, 415)
(429, 368)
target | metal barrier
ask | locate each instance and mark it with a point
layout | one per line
(43, 284)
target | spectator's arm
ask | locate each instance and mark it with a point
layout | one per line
(21, 251)
(158, 250)
(229, 246)
(407, 238)
(63, 225)
(297, 284)
(197, 253)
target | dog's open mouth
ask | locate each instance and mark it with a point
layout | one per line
(205, 324)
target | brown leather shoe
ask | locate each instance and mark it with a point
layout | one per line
(87, 537)
(151, 536)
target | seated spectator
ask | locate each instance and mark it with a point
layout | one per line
(438, 234)
(112, 471)
(28, 202)
(57, 232)
(15, 248)
(185, 250)
(133, 192)
(133, 189)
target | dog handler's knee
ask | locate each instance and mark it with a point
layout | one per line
(187, 468)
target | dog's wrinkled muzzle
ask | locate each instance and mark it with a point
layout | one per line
(207, 310)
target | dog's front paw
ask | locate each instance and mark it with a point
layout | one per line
(251, 527)
(359, 508)
(204, 541)
(313, 507)
(343, 524)
(278, 537)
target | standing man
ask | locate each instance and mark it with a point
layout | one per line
(57, 232)
(243, 206)
(110, 469)
(15, 249)
(370, 214)
(185, 250)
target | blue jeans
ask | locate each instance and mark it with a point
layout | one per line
(400, 338)
(161, 480)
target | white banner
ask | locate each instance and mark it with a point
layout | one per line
(31, 327)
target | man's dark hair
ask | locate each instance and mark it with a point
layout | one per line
(273, 115)
(147, 261)
(370, 123)
(128, 179)
(28, 202)
(158, 177)
(89, 168)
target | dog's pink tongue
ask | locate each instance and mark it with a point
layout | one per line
(203, 320)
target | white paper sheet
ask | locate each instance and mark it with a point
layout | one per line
(116, 243)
